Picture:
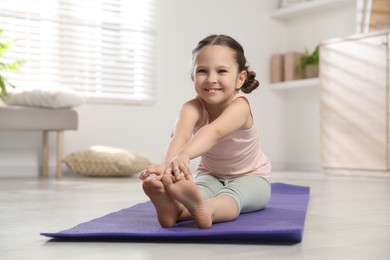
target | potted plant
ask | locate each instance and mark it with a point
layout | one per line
(4, 66)
(308, 63)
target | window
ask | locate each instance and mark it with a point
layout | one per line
(102, 48)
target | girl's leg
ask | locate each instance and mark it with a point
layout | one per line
(251, 193)
(243, 194)
(239, 195)
(208, 185)
(224, 208)
(204, 212)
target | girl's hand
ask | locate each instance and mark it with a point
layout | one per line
(154, 169)
(179, 167)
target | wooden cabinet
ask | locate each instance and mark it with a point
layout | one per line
(354, 105)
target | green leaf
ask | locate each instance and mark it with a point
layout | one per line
(4, 83)
(13, 66)
(4, 46)
(2, 86)
(309, 58)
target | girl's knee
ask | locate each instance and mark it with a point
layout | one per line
(252, 193)
(208, 185)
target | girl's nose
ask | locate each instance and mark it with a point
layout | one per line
(212, 78)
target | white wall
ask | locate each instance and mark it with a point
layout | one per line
(180, 25)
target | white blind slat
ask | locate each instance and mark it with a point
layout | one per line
(103, 48)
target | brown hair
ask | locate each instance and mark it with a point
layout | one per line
(250, 83)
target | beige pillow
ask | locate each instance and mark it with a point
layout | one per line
(104, 161)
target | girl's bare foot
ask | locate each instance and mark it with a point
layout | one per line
(186, 192)
(166, 208)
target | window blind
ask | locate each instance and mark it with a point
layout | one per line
(102, 48)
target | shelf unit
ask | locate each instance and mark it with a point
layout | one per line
(314, 82)
(307, 7)
(290, 12)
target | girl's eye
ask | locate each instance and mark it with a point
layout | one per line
(201, 71)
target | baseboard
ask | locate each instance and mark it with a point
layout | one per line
(305, 167)
(278, 166)
(24, 170)
(357, 172)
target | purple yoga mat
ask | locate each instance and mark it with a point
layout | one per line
(281, 221)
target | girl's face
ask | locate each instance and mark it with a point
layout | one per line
(216, 76)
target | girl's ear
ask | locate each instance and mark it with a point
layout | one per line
(241, 78)
(193, 73)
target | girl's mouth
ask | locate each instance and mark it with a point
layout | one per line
(212, 90)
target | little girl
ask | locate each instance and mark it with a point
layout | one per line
(218, 125)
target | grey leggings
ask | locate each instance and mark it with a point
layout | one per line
(251, 193)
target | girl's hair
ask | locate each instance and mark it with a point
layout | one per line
(250, 83)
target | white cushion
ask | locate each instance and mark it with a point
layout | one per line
(104, 161)
(56, 97)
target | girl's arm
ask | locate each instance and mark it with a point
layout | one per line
(189, 115)
(235, 116)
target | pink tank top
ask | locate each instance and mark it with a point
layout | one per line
(237, 154)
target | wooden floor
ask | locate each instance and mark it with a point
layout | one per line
(348, 218)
